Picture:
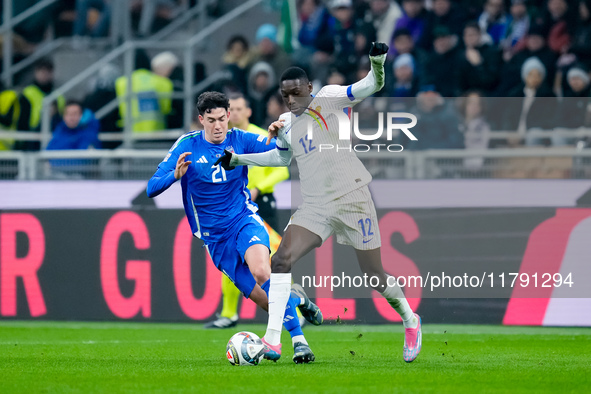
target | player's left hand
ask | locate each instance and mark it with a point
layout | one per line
(274, 129)
(378, 48)
(225, 161)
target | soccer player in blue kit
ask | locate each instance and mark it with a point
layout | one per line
(221, 213)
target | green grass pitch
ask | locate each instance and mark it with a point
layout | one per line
(50, 357)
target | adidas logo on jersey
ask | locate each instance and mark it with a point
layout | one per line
(255, 238)
(202, 159)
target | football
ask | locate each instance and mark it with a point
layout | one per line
(244, 348)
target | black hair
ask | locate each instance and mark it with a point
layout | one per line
(472, 25)
(294, 73)
(45, 64)
(237, 38)
(403, 31)
(238, 96)
(212, 100)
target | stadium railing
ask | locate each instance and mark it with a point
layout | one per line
(128, 164)
(120, 31)
(127, 50)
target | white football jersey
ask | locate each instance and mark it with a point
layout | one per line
(325, 173)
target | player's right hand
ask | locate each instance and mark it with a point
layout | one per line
(225, 161)
(182, 165)
(274, 129)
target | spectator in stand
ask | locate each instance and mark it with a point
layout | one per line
(382, 16)
(78, 130)
(438, 127)
(9, 109)
(101, 26)
(536, 109)
(573, 110)
(519, 21)
(442, 68)
(414, 19)
(336, 78)
(275, 108)
(494, 21)
(31, 103)
(33, 29)
(444, 13)
(269, 51)
(535, 47)
(261, 83)
(479, 63)
(474, 126)
(403, 44)
(405, 83)
(559, 19)
(103, 92)
(314, 20)
(402, 86)
(238, 52)
(236, 59)
(316, 42)
(343, 38)
(581, 42)
(151, 89)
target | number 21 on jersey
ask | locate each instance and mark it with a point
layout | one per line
(214, 175)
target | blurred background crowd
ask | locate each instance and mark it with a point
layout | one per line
(466, 68)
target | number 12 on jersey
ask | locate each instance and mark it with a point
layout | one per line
(368, 224)
(309, 148)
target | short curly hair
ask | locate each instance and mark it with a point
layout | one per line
(212, 100)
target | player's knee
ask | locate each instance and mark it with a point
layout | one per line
(281, 262)
(261, 273)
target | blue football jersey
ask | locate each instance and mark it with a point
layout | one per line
(214, 199)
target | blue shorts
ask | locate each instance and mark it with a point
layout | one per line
(228, 255)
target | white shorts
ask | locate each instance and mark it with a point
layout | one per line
(352, 218)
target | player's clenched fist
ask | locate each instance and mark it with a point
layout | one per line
(182, 165)
(225, 160)
(274, 129)
(378, 48)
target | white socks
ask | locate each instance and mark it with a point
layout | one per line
(298, 338)
(395, 297)
(279, 293)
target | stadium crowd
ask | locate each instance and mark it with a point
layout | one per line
(465, 68)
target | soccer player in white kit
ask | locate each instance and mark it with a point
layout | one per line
(336, 198)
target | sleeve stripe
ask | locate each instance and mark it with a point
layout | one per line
(282, 148)
(350, 93)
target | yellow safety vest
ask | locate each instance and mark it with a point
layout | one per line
(35, 97)
(151, 102)
(264, 178)
(9, 113)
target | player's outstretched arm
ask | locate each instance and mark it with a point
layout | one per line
(273, 158)
(374, 81)
(165, 176)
